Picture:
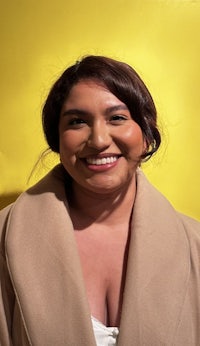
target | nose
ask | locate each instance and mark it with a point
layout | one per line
(99, 137)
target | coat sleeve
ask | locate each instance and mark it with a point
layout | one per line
(7, 297)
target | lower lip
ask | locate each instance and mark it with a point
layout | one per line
(101, 168)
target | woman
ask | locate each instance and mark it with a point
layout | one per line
(93, 253)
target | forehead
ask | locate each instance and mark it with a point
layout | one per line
(90, 92)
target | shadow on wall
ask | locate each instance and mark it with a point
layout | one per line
(7, 199)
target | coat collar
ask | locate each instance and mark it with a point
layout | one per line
(157, 273)
(46, 273)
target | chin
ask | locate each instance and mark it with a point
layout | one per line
(107, 187)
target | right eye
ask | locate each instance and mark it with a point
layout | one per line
(76, 122)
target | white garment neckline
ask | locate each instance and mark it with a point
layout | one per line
(105, 336)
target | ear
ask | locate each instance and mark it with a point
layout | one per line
(145, 146)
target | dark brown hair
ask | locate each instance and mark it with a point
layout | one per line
(121, 80)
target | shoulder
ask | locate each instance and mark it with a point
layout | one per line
(51, 184)
(192, 232)
(190, 222)
(192, 229)
(163, 208)
(4, 215)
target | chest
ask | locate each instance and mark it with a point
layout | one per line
(103, 258)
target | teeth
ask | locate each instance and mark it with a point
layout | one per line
(102, 161)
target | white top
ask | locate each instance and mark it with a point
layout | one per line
(105, 336)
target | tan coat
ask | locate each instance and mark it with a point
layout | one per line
(43, 300)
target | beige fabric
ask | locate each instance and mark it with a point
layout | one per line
(43, 300)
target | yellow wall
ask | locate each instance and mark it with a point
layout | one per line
(159, 38)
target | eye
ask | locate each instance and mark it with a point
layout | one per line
(118, 119)
(76, 122)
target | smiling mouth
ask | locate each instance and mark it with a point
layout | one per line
(101, 161)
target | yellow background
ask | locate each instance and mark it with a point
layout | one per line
(161, 39)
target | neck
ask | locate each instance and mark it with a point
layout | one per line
(110, 209)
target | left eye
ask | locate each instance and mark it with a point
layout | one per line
(118, 118)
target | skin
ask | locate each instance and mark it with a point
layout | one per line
(96, 125)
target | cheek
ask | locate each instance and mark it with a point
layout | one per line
(67, 141)
(65, 149)
(133, 139)
(70, 145)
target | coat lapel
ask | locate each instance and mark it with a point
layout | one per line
(45, 269)
(157, 272)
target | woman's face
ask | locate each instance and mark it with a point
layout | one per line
(100, 144)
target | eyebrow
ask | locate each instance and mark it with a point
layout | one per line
(116, 108)
(76, 111)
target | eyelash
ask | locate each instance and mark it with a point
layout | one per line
(118, 117)
(76, 121)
